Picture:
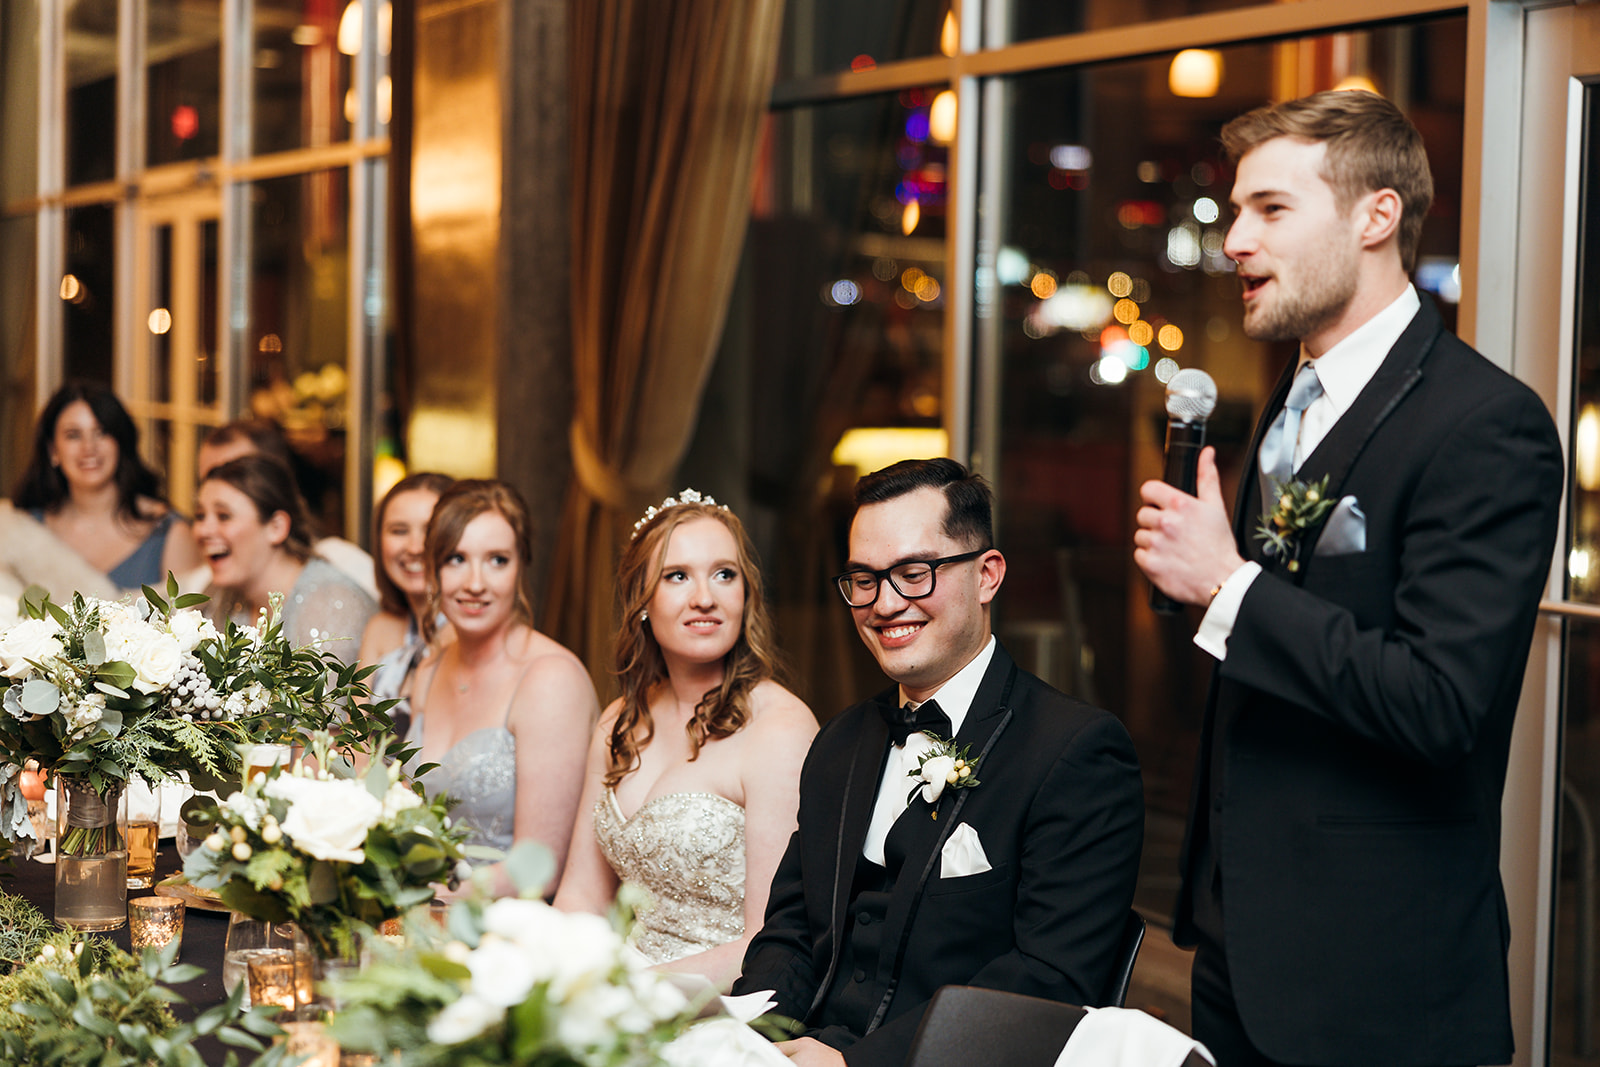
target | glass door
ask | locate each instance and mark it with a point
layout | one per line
(1557, 342)
(174, 386)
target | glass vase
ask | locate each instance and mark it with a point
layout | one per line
(250, 940)
(91, 854)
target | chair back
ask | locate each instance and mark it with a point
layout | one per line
(1115, 992)
(965, 1025)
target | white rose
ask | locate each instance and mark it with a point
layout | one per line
(503, 973)
(35, 639)
(190, 628)
(89, 711)
(328, 818)
(155, 661)
(593, 1017)
(935, 772)
(658, 995)
(585, 950)
(462, 1020)
(399, 798)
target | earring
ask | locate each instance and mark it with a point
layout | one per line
(644, 614)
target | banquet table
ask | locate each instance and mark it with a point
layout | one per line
(204, 932)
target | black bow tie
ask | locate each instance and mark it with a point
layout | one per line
(927, 717)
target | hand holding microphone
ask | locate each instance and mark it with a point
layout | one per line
(1191, 398)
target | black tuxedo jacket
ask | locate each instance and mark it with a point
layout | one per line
(1060, 814)
(1361, 720)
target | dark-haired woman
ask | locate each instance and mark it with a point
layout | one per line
(502, 709)
(86, 484)
(393, 639)
(694, 772)
(253, 530)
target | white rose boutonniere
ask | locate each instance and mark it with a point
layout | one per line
(943, 764)
(327, 819)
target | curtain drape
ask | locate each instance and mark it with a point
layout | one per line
(667, 104)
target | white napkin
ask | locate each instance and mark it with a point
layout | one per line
(750, 1005)
(962, 854)
(1127, 1037)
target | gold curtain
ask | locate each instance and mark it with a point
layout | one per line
(667, 104)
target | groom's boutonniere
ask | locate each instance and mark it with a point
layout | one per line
(1298, 507)
(943, 764)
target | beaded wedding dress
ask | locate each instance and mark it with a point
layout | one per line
(687, 849)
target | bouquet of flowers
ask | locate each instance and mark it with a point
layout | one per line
(513, 981)
(331, 853)
(101, 690)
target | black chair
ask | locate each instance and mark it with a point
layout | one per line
(965, 1025)
(1115, 993)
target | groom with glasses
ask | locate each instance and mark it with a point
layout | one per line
(968, 826)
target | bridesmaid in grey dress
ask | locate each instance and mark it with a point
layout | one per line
(693, 774)
(503, 710)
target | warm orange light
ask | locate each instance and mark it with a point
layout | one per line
(1359, 83)
(1125, 311)
(1119, 284)
(950, 35)
(942, 117)
(910, 217)
(909, 279)
(928, 289)
(1043, 285)
(1195, 72)
(1141, 332)
(1170, 338)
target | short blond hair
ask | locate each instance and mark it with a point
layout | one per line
(1371, 146)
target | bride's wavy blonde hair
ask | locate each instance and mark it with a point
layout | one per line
(640, 667)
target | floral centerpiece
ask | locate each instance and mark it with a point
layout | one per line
(333, 854)
(98, 691)
(513, 981)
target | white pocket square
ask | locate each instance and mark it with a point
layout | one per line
(1345, 532)
(962, 854)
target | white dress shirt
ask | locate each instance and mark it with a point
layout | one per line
(1344, 370)
(894, 789)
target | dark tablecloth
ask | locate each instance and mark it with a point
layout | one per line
(203, 933)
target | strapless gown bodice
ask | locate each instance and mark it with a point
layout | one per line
(687, 849)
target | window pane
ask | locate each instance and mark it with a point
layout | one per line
(205, 391)
(19, 89)
(827, 36)
(86, 293)
(1575, 940)
(91, 57)
(1583, 555)
(299, 315)
(1102, 270)
(158, 321)
(184, 45)
(301, 76)
(834, 345)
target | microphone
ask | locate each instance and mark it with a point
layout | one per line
(1191, 398)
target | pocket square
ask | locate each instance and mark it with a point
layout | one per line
(1345, 532)
(962, 854)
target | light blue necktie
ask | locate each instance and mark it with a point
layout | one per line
(1277, 447)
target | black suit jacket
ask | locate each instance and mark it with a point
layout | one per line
(1060, 815)
(1363, 714)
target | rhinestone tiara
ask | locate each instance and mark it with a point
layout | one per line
(688, 496)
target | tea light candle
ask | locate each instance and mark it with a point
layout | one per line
(272, 977)
(310, 1039)
(154, 922)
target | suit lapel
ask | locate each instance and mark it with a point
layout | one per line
(1249, 503)
(924, 836)
(855, 815)
(1333, 457)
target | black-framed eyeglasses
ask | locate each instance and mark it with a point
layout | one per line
(913, 579)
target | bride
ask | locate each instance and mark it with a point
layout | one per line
(693, 774)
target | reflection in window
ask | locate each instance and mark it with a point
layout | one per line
(91, 118)
(86, 294)
(837, 328)
(301, 75)
(299, 304)
(828, 36)
(184, 46)
(1100, 273)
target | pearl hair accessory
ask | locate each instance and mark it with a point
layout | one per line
(688, 496)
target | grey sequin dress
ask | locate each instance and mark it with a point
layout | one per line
(480, 773)
(323, 599)
(687, 849)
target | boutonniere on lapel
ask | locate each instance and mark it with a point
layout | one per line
(1298, 507)
(942, 765)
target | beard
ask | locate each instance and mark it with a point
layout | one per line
(1300, 312)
